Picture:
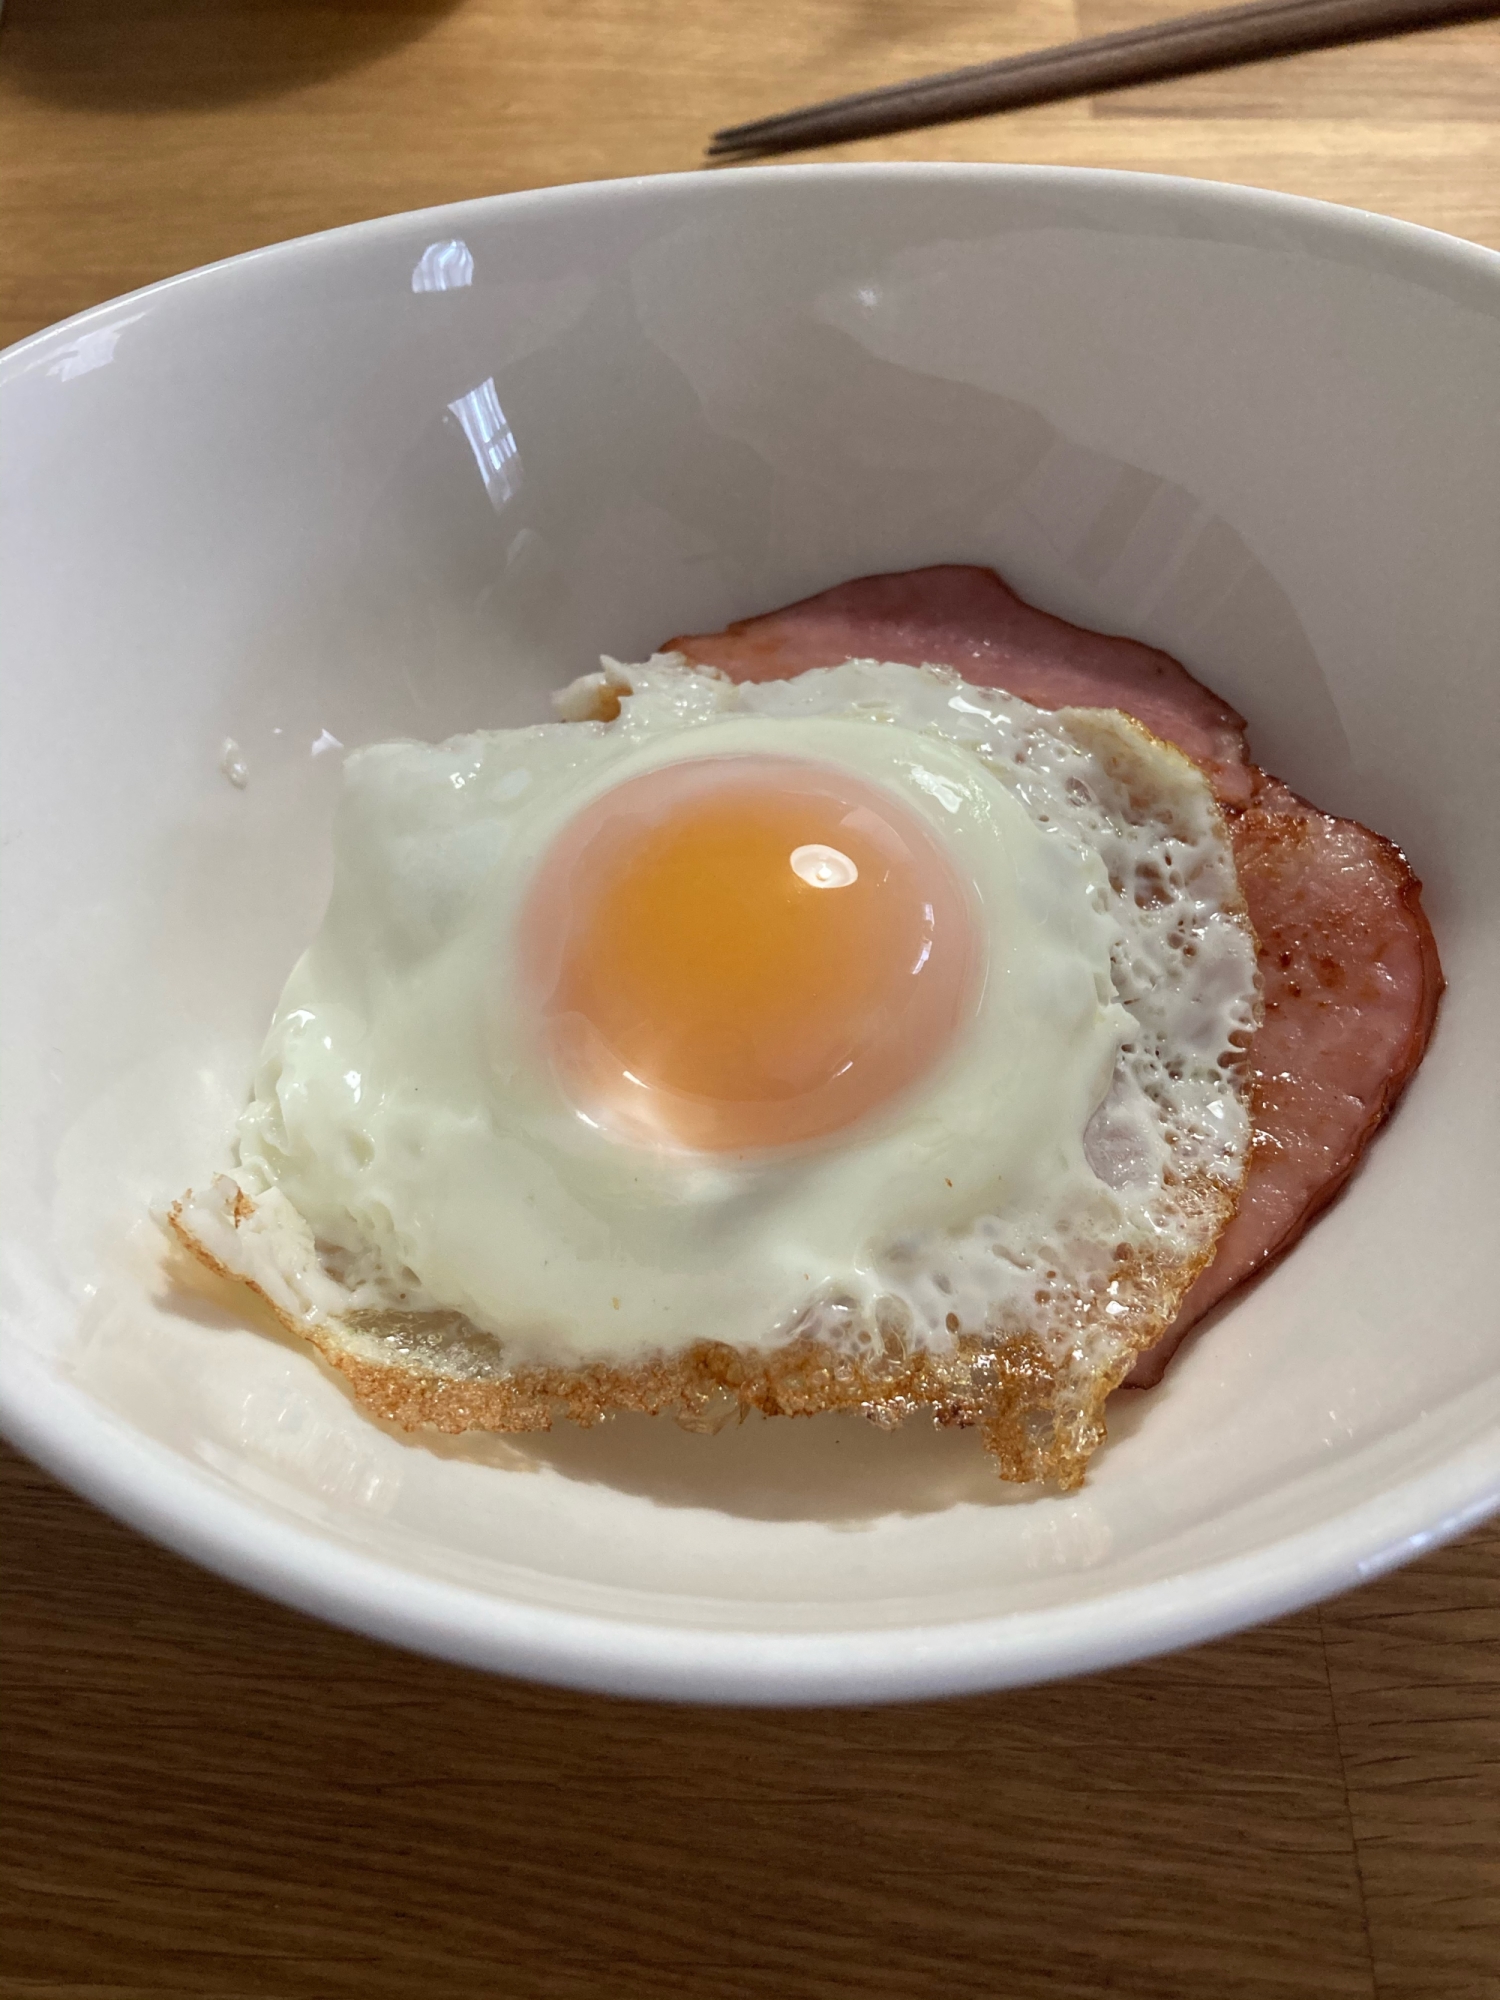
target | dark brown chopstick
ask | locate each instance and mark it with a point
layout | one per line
(1181, 47)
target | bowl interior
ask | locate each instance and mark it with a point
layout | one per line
(405, 479)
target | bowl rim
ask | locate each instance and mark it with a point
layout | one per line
(1399, 240)
(149, 1487)
(155, 1490)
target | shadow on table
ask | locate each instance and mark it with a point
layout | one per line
(161, 55)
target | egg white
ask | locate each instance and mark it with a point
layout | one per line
(403, 1120)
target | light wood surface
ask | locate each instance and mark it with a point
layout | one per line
(206, 1795)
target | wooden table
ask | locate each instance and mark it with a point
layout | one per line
(209, 1796)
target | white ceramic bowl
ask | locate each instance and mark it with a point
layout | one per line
(405, 478)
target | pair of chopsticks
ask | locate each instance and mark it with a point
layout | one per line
(1181, 47)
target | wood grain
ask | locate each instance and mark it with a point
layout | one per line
(1453, 74)
(1260, 35)
(209, 1796)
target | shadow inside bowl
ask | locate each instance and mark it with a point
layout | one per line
(836, 1468)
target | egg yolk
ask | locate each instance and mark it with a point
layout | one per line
(745, 952)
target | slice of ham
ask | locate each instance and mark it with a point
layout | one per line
(964, 618)
(1351, 980)
(1348, 964)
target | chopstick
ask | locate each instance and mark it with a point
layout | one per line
(1180, 47)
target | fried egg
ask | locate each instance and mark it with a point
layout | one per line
(864, 1007)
